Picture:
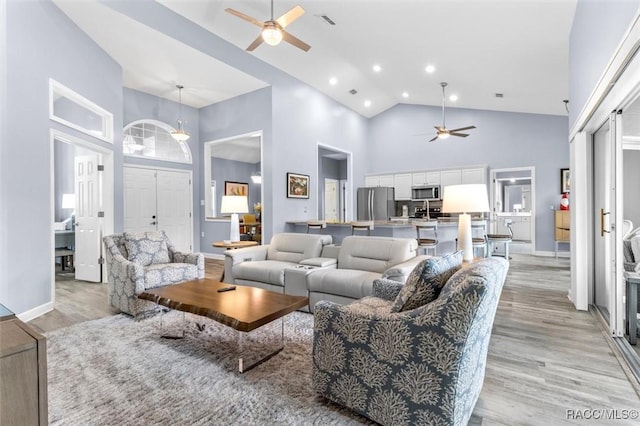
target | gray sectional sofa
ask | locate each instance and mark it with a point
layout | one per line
(309, 265)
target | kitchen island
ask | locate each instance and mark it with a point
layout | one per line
(400, 228)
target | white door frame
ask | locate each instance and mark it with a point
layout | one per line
(349, 181)
(190, 172)
(107, 192)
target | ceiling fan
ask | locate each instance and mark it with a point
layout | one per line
(273, 30)
(442, 132)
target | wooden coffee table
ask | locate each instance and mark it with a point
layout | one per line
(243, 309)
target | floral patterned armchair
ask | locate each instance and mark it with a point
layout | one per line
(424, 365)
(144, 260)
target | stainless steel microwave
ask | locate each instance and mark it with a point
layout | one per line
(426, 192)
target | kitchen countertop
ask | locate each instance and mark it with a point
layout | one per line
(396, 223)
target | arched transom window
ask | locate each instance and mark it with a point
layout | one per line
(152, 139)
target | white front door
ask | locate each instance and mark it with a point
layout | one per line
(87, 222)
(330, 200)
(139, 199)
(174, 207)
(159, 200)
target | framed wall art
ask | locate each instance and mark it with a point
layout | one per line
(297, 185)
(565, 180)
(236, 188)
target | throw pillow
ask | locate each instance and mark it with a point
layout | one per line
(146, 248)
(426, 281)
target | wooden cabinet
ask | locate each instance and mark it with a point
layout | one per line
(469, 176)
(563, 226)
(402, 184)
(23, 373)
(450, 177)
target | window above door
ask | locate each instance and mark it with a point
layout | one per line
(152, 139)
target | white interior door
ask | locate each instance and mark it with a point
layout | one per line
(174, 207)
(139, 199)
(87, 224)
(331, 200)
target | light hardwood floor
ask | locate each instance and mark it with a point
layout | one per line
(545, 358)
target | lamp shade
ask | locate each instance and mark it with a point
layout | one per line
(234, 204)
(68, 201)
(465, 198)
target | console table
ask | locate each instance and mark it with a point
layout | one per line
(562, 228)
(23, 373)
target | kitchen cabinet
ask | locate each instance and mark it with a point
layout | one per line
(371, 181)
(402, 184)
(450, 177)
(433, 178)
(520, 225)
(386, 180)
(425, 178)
(471, 176)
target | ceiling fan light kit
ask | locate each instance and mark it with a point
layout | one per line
(180, 134)
(441, 131)
(273, 30)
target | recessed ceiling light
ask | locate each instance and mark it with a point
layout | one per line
(430, 69)
(377, 68)
(405, 95)
(367, 103)
(453, 98)
(333, 81)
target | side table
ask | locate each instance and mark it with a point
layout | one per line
(235, 245)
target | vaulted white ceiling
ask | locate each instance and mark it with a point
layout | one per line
(518, 48)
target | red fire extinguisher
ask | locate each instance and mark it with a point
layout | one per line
(564, 201)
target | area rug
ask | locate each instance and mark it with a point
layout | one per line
(119, 371)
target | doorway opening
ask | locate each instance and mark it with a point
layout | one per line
(83, 172)
(334, 184)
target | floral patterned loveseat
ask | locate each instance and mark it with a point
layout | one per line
(143, 260)
(414, 354)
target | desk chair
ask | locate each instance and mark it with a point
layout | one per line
(316, 224)
(361, 226)
(427, 235)
(478, 236)
(501, 238)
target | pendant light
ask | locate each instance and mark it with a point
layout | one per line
(180, 134)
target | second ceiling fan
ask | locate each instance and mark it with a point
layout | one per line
(441, 131)
(273, 30)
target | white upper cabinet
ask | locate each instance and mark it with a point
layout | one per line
(433, 178)
(478, 175)
(386, 180)
(450, 177)
(402, 184)
(418, 179)
(371, 181)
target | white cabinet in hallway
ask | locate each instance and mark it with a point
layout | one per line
(402, 184)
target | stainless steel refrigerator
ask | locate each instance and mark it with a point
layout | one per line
(376, 203)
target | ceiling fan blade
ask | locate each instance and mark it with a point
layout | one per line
(436, 137)
(241, 15)
(295, 41)
(290, 16)
(463, 128)
(462, 135)
(257, 42)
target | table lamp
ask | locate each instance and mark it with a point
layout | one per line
(464, 199)
(234, 204)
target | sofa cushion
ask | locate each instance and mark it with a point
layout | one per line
(169, 273)
(375, 254)
(146, 248)
(344, 282)
(264, 271)
(426, 281)
(292, 247)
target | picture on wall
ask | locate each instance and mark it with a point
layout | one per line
(236, 188)
(297, 185)
(565, 180)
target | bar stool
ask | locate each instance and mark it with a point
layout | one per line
(316, 224)
(427, 235)
(362, 226)
(478, 236)
(501, 238)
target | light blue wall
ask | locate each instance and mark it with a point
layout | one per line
(43, 43)
(137, 106)
(501, 140)
(235, 171)
(598, 28)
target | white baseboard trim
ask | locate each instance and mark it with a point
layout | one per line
(213, 256)
(35, 312)
(564, 254)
